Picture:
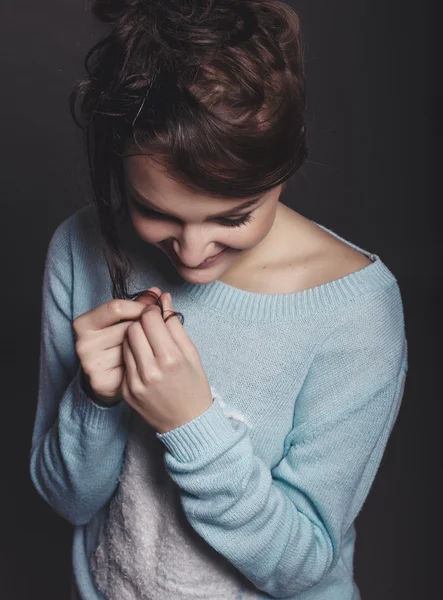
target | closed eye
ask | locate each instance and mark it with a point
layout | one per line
(152, 214)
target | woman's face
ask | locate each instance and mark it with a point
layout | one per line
(189, 228)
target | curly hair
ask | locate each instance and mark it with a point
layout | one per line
(212, 89)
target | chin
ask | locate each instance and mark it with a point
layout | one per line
(198, 278)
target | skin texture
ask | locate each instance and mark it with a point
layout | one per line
(278, 251)
(164, 379)
(193, 232)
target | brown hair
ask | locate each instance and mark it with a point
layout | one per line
(212, 89)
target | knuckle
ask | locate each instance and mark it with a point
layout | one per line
(152, 376)
(136, 388)
(171, 362)
(116, 307)
(80, 347)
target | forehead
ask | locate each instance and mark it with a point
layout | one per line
(148, 180)
(149, 175)
(151, 179)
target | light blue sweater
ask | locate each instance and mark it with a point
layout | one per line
(307, 388)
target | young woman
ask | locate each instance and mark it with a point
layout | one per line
(225, 456)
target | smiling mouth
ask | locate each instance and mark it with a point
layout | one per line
(207, 260)
(214, 255)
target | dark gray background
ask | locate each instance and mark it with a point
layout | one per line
(371, 177)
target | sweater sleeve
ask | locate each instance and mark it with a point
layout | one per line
(283, 528)
(77, 446)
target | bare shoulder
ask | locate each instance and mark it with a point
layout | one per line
(324, 258)
(303, 256)
(339, 259)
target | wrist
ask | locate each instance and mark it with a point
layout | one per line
(86, 387)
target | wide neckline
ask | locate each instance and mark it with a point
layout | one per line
(234, 301)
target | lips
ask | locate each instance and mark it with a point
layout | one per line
(209, 258)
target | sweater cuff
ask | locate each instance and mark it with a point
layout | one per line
(210, 431)
(95, 416)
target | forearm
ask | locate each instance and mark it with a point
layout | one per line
(75, 466)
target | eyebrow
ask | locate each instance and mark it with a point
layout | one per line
(226, 213)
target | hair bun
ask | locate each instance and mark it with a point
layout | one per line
(182, 23)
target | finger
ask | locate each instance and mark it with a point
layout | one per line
(130, 362)
(140, 348)
(126, 392)
(150, 296)
(159, 339)
(108, 314)
(174, 325)
(113, 336)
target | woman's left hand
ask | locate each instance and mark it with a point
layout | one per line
(164, 379)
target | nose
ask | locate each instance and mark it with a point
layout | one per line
(193, 245)
(192, 256)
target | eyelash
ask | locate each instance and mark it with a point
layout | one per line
(225, 222)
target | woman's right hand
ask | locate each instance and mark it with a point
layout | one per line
(100, 334)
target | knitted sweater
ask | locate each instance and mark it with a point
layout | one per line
(257, 496)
